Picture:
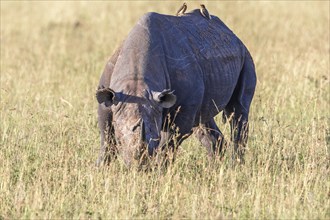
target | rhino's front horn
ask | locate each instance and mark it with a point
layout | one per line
(166, 98)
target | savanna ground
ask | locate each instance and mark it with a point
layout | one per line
(52, 54)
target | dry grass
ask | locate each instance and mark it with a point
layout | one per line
(52, 54)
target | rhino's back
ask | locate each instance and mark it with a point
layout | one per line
(198, 58)
(203, 58)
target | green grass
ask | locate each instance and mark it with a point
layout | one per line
(52, 54)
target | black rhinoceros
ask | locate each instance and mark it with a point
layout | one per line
(173, 75)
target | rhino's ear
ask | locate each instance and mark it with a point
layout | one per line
(106, 96)
(166, 98)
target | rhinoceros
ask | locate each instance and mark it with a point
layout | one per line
(168, 79)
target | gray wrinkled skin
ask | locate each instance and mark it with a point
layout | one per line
(169, 78)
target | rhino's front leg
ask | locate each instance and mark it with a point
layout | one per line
(210, 137)
(177, 127)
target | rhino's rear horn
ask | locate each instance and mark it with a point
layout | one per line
(166, 98)
(106, 96)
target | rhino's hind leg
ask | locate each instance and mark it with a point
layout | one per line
(211, 138)
(237, 110)
(108, 148)
(239, 132)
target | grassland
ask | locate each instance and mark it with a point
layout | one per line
(52, 54)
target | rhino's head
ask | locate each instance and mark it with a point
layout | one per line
(137, 119)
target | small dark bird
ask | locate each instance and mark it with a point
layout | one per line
(182, 10)
(204, 12)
